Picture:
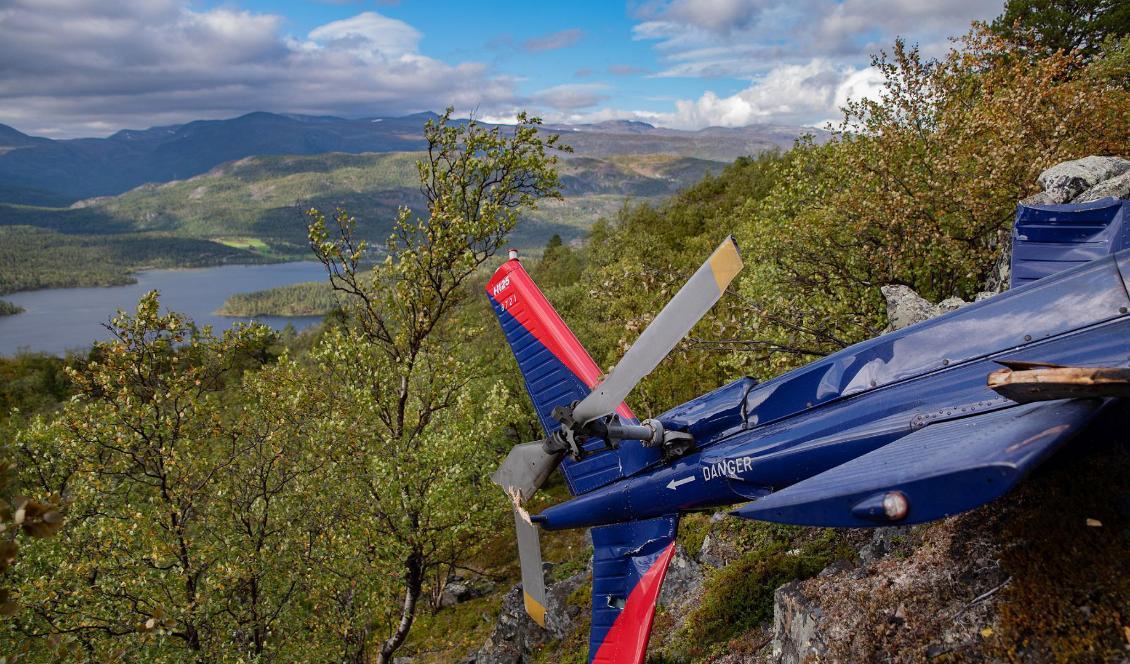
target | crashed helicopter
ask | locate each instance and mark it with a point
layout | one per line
(911, 426)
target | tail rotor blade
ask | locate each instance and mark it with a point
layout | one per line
(529, 555)
(525, 469)
(689, 305)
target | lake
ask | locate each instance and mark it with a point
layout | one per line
(59, 319)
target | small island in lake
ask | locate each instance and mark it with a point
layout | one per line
(9, 309)
(311, 298)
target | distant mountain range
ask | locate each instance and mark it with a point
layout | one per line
(41, 171)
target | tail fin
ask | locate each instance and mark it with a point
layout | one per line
(557, 371)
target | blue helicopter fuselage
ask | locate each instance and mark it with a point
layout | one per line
(756, 439)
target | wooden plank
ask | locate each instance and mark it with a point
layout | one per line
(1047, 383)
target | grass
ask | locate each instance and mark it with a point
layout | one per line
(251, 243)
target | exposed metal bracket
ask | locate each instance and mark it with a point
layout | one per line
(572, 433)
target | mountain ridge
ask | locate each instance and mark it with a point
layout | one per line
(35, 170)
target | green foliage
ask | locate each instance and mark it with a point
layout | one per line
(9, 309)
(177, 494)
(314, 298)
(417, 403)
(32, 383)
(20, 515)
(633, 265)
(1063, 25)
(919, 189)
(32, 258)
(739, 597)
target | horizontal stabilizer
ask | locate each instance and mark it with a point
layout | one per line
(940, 470)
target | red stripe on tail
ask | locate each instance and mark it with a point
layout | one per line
(626, 641)
(514, 291)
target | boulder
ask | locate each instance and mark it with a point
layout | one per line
(1064, 181)
(683, 584)
(796, 621)
(1000, 276)
(1115, 187)
(459, 590)
(561, 617)
(906, 307)
(516, 635)
(1038, 198)
(708, 554)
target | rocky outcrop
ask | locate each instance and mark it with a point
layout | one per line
(1116, 187)
(1064, 182)
(796, 625)
(516, 636)
(460, 590)
(906, 307)
(683, 584)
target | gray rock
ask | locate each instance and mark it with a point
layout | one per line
(950, 304)
(1064, 181)
(459, 590)
(905, 307)
(1038, 198)
(515, 635)
(560, 616)
(1115, 187)
(708, 555)
(1000, 276)
(882, 541)
(796, 620)
(683, 583)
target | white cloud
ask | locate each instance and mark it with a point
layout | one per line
(720, 16)
(789, 93)
(572, 96)
(747, 38)
(83, 67)
(369, 36)
(809, 94)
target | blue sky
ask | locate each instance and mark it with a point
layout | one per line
(90, 67)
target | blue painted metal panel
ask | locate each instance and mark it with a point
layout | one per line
(941, 470)
(1089, 294)
(713, 415)
(622, 554)
(550, 384)
(1047, 239)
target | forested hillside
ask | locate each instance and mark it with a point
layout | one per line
(198, 496)
(251, 210)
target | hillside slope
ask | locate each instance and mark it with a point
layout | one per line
(38, 170)
(252, 210)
